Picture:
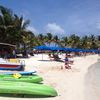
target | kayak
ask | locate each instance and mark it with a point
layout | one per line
(24, 88)
(20, 72)
(22, 78)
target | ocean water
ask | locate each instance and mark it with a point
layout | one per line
(92, 82)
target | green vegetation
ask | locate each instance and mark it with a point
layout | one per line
(13, 30)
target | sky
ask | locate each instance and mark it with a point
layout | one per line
(60, 17)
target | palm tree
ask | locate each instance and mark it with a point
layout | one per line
(98, 41)
(56, 40)
(49, 38)
(74, 41)
(20, 27)
(99, 38)
(13, 28)
(6, 23)
(41, 39)
(64, 41)
(84, 42)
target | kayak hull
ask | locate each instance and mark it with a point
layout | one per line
(19, 72)
(23, 78)
(9, 87)
(11, 66)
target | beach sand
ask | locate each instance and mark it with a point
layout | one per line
(73, 84)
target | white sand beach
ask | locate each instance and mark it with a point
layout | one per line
(74, 84)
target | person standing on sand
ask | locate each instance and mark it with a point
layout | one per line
(67, 61)
(70, 59)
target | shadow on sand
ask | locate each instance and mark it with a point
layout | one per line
(52, 60)
(23, 96)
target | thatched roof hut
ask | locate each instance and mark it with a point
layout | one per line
(7, 44)
(6, 48)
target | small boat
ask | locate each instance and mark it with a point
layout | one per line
(21, 78)
(6, 65)
(24, 88)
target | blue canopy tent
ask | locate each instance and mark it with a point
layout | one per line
(70, 49)
(42, 47)
(95, 51)
(53, 48)
(81, 50)
(57, 49)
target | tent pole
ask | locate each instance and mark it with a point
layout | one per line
(42, 56)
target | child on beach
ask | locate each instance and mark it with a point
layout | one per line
(68, 60)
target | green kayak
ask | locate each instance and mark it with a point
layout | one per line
(25, 88)
(23, 78)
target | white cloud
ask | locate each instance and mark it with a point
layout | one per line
(30, 28)
(54, 28)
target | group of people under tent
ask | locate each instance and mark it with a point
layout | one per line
(68, 60)
(54, 57)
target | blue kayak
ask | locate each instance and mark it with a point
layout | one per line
(20, 72)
